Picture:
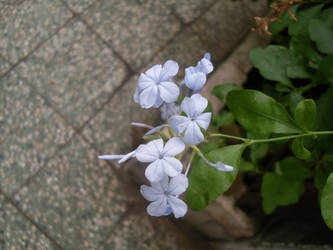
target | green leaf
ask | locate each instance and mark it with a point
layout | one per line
(299, 150)
(326, 202)
(292, 169)
(281, 23)
(221, 91)
(258, 151)
(324, 73)
(302, 45)
(278, 63)
(292, 99)
(303, 15)
(259, 113)
(224, 118)
(246, 166)
(279, 191)
(322, 34)
(207, 183)
(325, 109)
(306, 113)
(328, 15)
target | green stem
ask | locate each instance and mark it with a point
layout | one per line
(252, 141)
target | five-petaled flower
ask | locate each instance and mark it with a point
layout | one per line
(195, 77)
(164, 196)
(155, 86)
(161, 157)
(193, 107)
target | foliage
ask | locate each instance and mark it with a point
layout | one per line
(291, 108)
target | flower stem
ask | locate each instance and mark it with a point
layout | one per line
(189, 163)
(252, 141)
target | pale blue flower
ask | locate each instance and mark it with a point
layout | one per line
(155, 86)
(161, 158)
(195, 77)
(218, 165)
(164, 196)
(152, 130)
(193, 107)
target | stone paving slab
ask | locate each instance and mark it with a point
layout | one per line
(76, 199)
(4, 65)
(75, 71)
(139, 231)
(30, 132)
(18, 233)
(78, 5)
(135, 31)
(225, 24)
(111, 131)
(24, 24)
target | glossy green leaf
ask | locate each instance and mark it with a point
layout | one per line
(299, 150)
(207, 183)
(322, 34)
(258, 151)
(325, 109)
(221, 91)
(259, 113)
(326, 202)
(304, 15)
(279, 191)
(304, 46)
(306, 113)
(293, 169)
(278, 63)
(324, 73)
(223, 118)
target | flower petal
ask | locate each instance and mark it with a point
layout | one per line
(144, 153)
(136, 95)
(179, 207)
(158, 207)
(205, 66)
(179, 123)
(169, 91)
(158, 101)
(193, 135)
(169, 109)
(154, 172)
(110, 157)
(195, 81)
(178, 185)
(144, 82)
(174, 146)
(127, 156)
(171, 166)
(223, 167)
(156, 145)
(203, 120)
(154, 72)
(188, 106)
(150, 193)
(200, 104)
(169, 70)
(148, 96)
(161, 185)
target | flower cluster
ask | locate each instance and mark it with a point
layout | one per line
(156, 88)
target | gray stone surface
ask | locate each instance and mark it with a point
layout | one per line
(136, 32)
(4, 65)
(30, 132)
(77, 199)
(25, 24)
(75, 71)
(79, 5)
(18, 233)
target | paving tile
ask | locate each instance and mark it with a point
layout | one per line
(30, 132)
(79, 5)
(4, 65)
(138, 231)
(220, 30)
(136, 32)
(187, 49)
(75, 71)
(16, 232)
(77, 198)
(24, 24)
(111, 129)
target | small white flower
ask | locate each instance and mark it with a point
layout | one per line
(155, 86)
(193, 107)
(164, 196)
(161, 158)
